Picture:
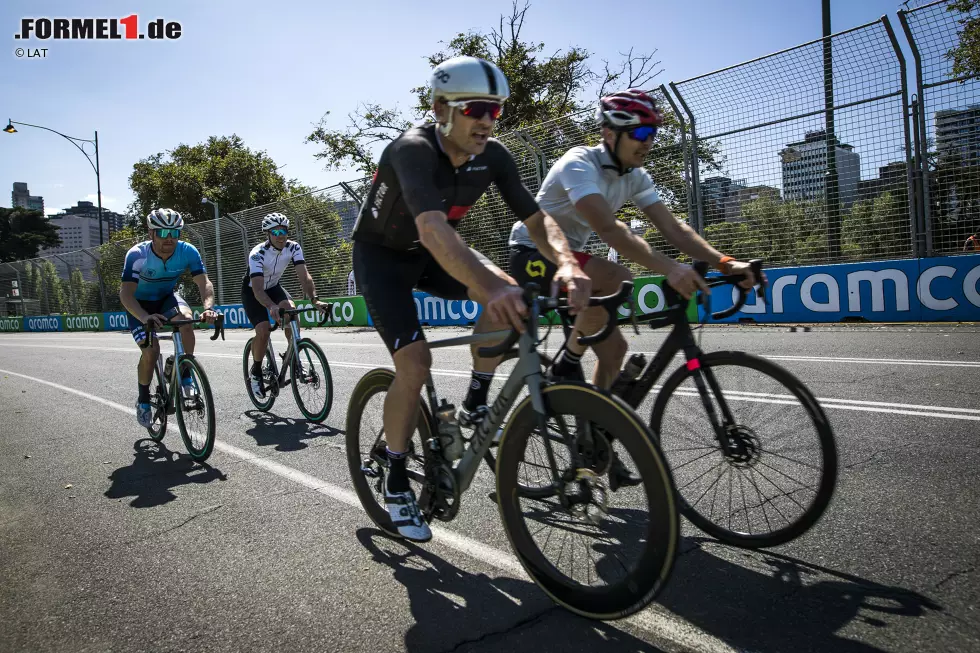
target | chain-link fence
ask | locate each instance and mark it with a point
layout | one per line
(815, 154)
(801, 166)
(947, 118)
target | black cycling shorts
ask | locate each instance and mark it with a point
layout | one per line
(256, 312)
(387, 277)
(169, 307)
(527, 264)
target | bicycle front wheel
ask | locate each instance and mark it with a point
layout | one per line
(195, 409)
(312, 383)
(770, 476)
(626, 540)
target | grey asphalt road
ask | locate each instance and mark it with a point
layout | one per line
(110, 542)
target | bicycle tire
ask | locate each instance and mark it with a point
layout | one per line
(157, 434)
(199, 454)
(650, 574)
(375, 381)
(264, 406)
(327, 381)
(828, 447)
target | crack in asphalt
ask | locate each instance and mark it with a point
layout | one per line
(954, 574)
(878, 453)
(199, 513)
(523, 623)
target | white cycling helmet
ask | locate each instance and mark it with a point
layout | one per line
(467, 78)
(274, 220)
(164, 219)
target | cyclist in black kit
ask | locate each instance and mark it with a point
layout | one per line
(405, 238)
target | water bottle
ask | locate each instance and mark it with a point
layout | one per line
(631, 370)
(450, 435)
(168, 367)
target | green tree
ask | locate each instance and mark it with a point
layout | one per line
(23, 232)
(112, 256)
(543, 87)
(965, 55)
(878, 228)
(222, 169)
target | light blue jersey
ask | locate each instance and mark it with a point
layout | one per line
(156, 278)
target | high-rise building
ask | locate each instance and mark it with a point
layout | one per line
(958, 134)
(23, 198)
(723, 198)
(805, 169)
(77, 232)
(113, 221)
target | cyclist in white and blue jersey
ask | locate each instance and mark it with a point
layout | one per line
(150, 274)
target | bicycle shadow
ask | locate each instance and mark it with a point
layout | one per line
(460, 611)
(783, 604)
(155, 471)
(286, 433)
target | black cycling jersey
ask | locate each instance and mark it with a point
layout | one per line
(415, 175)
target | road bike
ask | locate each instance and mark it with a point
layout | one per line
(703, 417)
(639, 522)
(187, 400)
(309, 372)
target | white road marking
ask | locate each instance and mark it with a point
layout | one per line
(655, 619)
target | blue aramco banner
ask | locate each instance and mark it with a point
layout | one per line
(913, 290)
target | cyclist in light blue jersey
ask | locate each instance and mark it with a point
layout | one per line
(150, 274)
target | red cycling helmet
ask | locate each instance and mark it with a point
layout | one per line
(630, 108)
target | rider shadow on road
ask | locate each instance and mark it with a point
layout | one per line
(287, 433)
(155, 471)
(780, 604)
(783, 603)
(458, 610)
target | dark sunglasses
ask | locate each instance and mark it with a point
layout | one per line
(168, 233)
(279, 231)
(476, 109)
(642, 133)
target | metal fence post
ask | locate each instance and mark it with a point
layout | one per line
(522, 138)
(923, 162)
(684, 152)
(72, 300)
(697, 216)
(20, 286)
(832, 184)
(918, 245)
(241, 228)
(98, 269)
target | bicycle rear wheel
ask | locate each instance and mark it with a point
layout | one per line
(195, 403)
(268, 377)
(750, 460)
(640, 523)
(158, 403)
(367, 458)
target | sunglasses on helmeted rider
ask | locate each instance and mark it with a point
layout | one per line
(167, 233)
(476, 109)
(641, 133)
(279, 231)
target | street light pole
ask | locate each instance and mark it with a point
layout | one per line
(74, 141)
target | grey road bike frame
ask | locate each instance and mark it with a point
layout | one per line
(527, 372)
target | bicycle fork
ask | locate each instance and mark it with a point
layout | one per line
(704, 379)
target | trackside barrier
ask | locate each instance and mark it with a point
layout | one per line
(943, 289)
(910, 290)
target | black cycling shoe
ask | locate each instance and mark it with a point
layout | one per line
(557, 373)
(620, 475)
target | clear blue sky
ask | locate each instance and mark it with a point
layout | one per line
(268, 71)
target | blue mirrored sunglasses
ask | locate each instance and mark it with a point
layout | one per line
(168, 233)
(279, 231)
(642, 133)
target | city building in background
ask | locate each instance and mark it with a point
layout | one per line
(805, 170)
(22, 197)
